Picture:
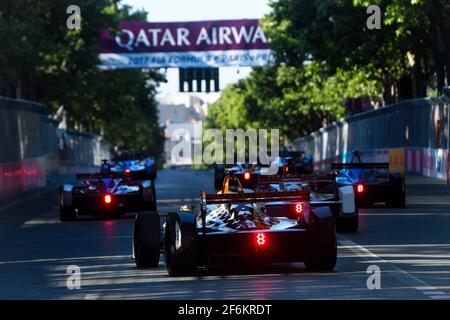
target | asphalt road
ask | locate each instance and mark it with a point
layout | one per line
(411, 247)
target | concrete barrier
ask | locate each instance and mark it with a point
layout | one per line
(412, 136)
(17, 177)
(32, 147)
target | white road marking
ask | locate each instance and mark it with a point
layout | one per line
(400, 274)
(91, 296)
(39, 221)
(65, 259)
(440, 297)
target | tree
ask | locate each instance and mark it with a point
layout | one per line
(42, 60)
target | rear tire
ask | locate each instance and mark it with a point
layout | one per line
(67, 213)
(349, 225)
(321, 256)
(146, 240)
(180, 252)
(397, 200)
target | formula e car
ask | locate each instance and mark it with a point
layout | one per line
(105, 195)
(295, 162)
(373, 183)
(324, 191)
(247, 173)
(238, 228)
(138, 169)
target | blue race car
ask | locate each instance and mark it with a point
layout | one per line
(373, 182)
(139, 169)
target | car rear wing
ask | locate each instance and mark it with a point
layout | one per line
(88, 176)
(373, 165)
(327, 177)
(254, 197)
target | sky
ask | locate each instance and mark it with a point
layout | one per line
(197, 10)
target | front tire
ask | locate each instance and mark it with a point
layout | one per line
(146, 240)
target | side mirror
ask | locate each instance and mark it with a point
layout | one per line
(187, 208)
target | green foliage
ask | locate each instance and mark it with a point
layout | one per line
(294, 100)
(42, 60)
(325, 53)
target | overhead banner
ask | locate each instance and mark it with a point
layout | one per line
(185, 44)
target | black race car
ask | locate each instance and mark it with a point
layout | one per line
(238, 228)
(105, 195)
(247, 173)
(324, 191)
(295, 162)
(373, 182)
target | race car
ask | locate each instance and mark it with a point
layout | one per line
(139, 169)
(105, 195)
(240, 228)
(247, 173)
(373, 182)
(295, 162)
(324, 191)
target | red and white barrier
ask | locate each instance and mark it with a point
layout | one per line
(20, 176)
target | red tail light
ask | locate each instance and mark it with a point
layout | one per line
(107, 199)
(247, 175)
(261, 239)
(127, 170)
(299, 208)
(359, 188)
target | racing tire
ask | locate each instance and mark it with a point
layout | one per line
(349, 225)
(397, 200)
(219, 175)
(146, 240)
(67, 213)
(319, 255)
(180, 251)
(154, 205)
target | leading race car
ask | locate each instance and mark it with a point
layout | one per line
(373, 183)
(238, 227)
(138, 169)
(105, 195)
(247, 173)
(295, 162)
(324, 191)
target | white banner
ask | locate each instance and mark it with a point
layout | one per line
(226, 58)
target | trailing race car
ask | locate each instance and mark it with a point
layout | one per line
(238, 228)
(324, 191)
(105, 195)
(138, 169)
(373, 183)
